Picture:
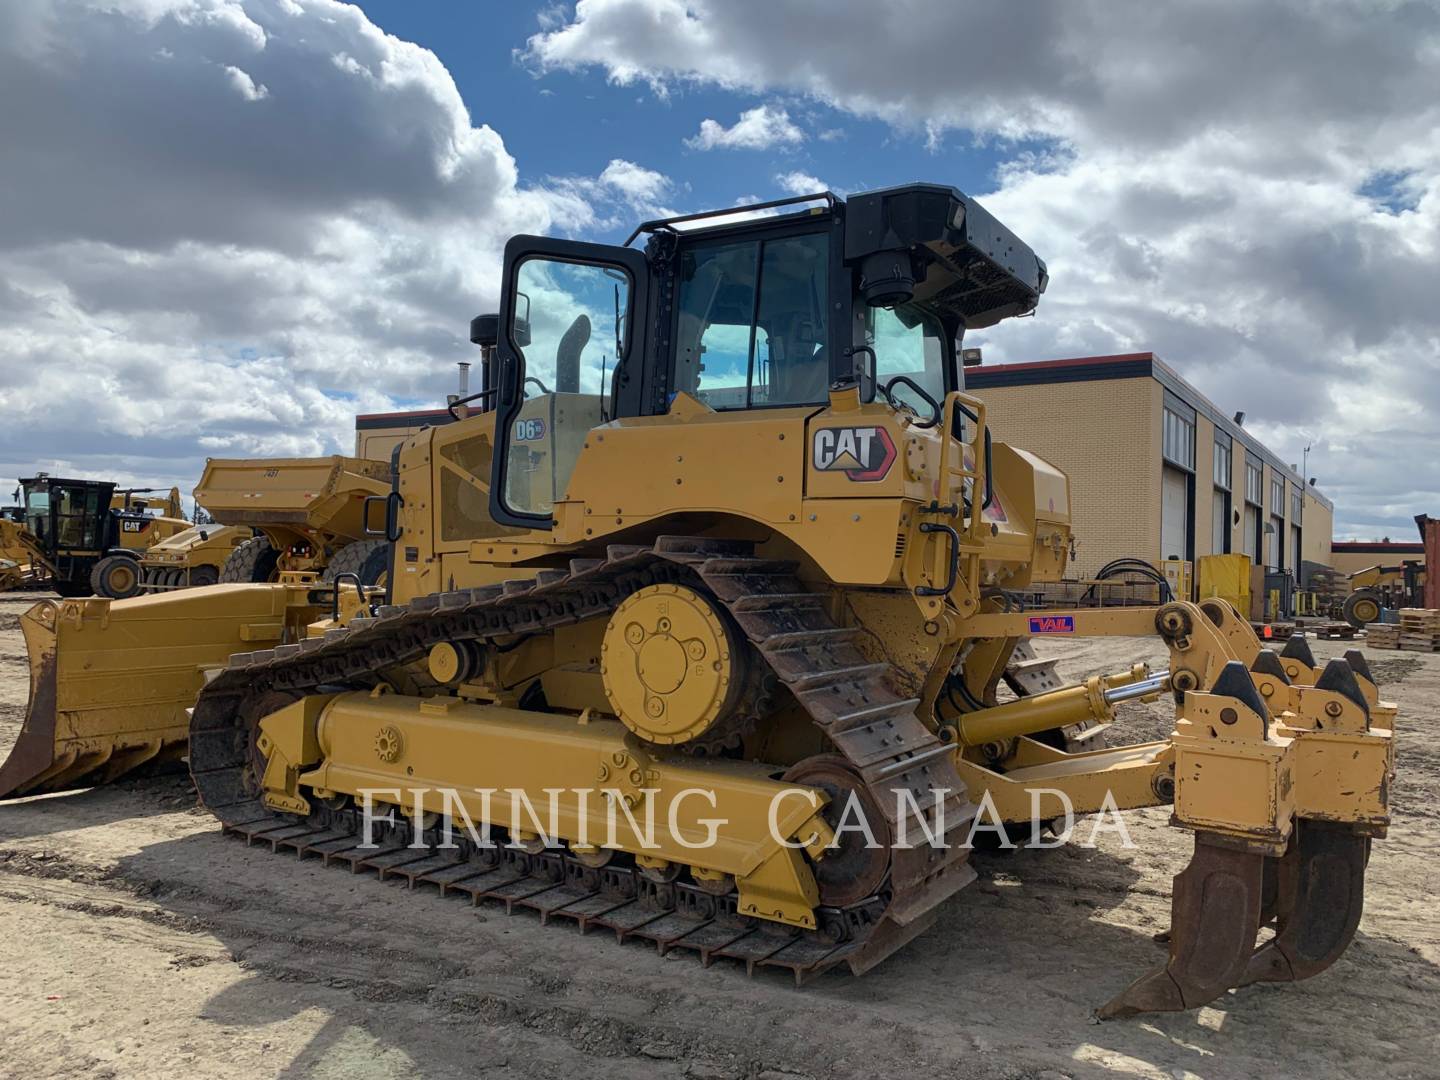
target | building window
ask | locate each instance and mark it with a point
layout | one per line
(1178, 439)
(1254, 488)
(1223, 451)
(1297, 506)
(1277, 496)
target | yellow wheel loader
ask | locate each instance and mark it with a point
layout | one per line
(1376, 588)
(696, 631)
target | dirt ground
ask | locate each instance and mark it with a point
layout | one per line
(140, 942)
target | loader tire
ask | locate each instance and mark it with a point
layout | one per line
(204, 575)
(1361, 607)
(116, 576)
(370, 559)
(253, 561)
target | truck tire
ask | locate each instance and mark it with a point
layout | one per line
(116, 576)
(368, 558)
(253, 561)
(204, 575)
(1361, 606)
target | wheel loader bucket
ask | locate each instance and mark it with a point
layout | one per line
(111, 681)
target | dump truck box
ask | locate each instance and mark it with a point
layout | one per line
(314, 498)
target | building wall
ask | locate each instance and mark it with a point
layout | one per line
(1348, 562)
(1318, 530)
(1101, 420)
(1105, 435)
(377, 434)
(1204, 486)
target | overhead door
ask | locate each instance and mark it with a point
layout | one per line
(1174, 514)
(1220, 523)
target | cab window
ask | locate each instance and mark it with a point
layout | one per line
(752, 322)
(908, 341)
(569, 325)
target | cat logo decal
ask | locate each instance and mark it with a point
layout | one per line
(861, 453)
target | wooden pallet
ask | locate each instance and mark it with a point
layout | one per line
(1420, 629)
(1382, 635)
(1335, 631)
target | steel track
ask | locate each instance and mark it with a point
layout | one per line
(849, 697)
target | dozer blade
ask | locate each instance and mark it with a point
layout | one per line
(1215, 915)
(111, 680)
(1320, 893)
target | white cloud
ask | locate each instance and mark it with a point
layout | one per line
(1200, 180)
(643, 188)
(801, 183)
(796, 182)
(246, 85)
(757, 129)
(622, 194)
(229, 225)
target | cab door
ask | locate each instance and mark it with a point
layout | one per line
(571, 314)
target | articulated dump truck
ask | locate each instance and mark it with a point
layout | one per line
(304, 513)
(270, 516)
(726, 548)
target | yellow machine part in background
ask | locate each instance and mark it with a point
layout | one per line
(1226, 577)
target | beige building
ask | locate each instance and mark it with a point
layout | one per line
(1352, 556)
(1156, 470)
(378, 434)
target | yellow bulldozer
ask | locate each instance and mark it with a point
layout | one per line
(702, 628)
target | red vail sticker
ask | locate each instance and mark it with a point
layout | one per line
(1052, 624)
(861, 453)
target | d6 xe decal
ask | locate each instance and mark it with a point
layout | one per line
(861, 453)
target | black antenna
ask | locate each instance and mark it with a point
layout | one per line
(604, 419)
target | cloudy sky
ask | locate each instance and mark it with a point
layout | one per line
(226, 226)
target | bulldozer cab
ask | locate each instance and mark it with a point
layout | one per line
(765, 313)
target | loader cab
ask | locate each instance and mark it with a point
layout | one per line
(766, 312)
